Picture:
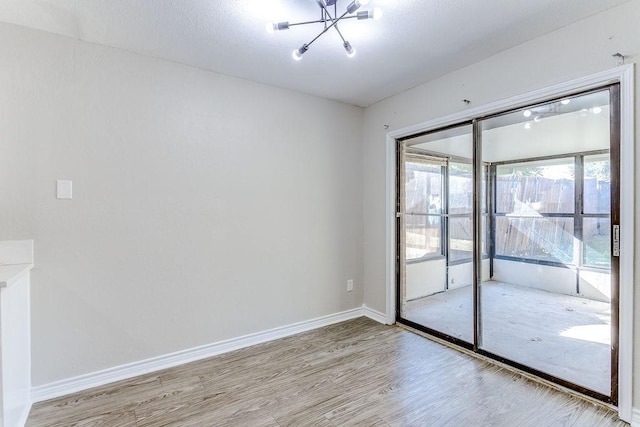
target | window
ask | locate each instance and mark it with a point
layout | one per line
(460, 188)
(532, 188)
(596, 235)
(460, 239)
(439, 205)
(536, 215)
(544, 239)
(596, 224)
(597, 184)
(530, 196)
(423, 200)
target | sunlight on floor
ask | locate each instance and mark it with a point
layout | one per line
(600, 334)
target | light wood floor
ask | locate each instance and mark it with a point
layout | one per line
(353, 373)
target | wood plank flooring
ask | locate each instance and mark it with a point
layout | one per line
(353, 373)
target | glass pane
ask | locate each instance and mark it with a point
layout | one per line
(485, 236)
(460, 188)
(536, 187)
(436, 292)
(460, 239)
(597, 184)
(423, 187)
(596, 235)
(535, 308)
(545, 239)
(485, 202)
(422, 236)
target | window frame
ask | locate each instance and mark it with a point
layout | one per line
(578, 214)
(444, 214)
(420, 157)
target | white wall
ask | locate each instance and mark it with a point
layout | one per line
(461, 275)
(425, 278)
(429, 277)
(544, 277)
(594, 284)
(579, 49)
(205, 207)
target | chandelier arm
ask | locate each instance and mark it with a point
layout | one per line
(326, 12)
(319, 21)
(323, 16)
(335, 21)
(340, 34)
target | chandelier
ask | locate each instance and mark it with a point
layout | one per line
(330, 19)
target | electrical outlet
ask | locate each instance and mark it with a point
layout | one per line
(349, 285)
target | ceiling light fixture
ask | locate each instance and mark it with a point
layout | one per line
(329, 21)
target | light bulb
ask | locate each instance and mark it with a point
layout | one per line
(355, 5)
(597, 110)
(565, 101)
(527, 113)
(271, 27)
(279, 26)
(351, 52)
(376, 14)
(297, 54)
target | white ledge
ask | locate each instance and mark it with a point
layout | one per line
(10, 274)
(16, 252)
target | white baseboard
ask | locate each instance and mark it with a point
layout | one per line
(130, 370)
(374, 314)
(635, 421)
(24, 415)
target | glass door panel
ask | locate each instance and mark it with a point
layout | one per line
(435, 201)
(545, 293)
(505, 238)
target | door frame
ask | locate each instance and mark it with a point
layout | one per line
(623, 75)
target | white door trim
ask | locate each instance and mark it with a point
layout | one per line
(625, 76)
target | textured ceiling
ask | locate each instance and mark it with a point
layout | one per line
(415, 41)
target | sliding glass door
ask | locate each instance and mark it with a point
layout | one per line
(506, 238)
(547, 304)
(437, 211)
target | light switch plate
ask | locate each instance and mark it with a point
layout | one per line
(64, 189)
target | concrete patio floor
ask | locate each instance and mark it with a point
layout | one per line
(566, 336)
